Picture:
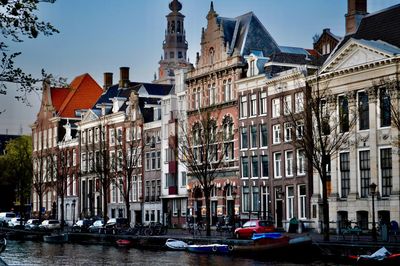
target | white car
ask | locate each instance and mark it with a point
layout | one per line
(50, 225)
(15, 222)
(5, 217)
(32, 224)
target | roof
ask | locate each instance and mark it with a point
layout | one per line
(382, 25)
(246, 33)
(82, 92)
(149, 93)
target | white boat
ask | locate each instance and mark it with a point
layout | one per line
(175, 244)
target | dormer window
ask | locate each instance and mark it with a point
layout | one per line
(252, 65)
(212, 54)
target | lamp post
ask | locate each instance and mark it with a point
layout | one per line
(373, 192)
(73, 211)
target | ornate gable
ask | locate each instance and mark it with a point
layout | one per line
(357, 53)
(89, 116)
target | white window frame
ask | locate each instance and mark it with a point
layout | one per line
(301, 163)
(290, 202)
(289, 163)
(277, 165)
(299, 102)
(243, 106)
(287, 102)
(288, 131)
(263, 103)
(253, 105)
(276, 107)
(276, 129)
(302, 202)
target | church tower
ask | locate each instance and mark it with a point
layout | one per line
(175, 46)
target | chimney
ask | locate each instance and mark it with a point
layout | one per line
(124, 77)
(356, 10)
(108, 80)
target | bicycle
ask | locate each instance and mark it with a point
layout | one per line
(196, 228)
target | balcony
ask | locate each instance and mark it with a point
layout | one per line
(172, 190)
(172, 167)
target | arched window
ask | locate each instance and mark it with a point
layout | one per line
(228, 136)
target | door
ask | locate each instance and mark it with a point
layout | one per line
(279, 213)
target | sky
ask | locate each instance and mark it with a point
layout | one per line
(98, 36)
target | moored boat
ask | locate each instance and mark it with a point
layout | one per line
(175, 244)
(210, 248)
(123, 242)
(380, 257)
(57, 239)
(263, 242)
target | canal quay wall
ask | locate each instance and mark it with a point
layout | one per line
(337, 246)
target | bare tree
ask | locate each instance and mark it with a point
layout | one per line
(129, 165)
(39, 183)
(201, 149)
(322, 123)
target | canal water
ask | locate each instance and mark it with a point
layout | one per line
(39, 253)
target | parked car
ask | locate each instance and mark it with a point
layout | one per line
(97, 226)
(5, 217)
(254, 226)
(50, 225)
(32, 224)
(82, 226)
(16, 222)
(115, 225)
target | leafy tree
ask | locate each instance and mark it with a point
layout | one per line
(19, 162)
(18, 20)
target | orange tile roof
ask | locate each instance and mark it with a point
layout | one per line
(58, 96)
(82, 93)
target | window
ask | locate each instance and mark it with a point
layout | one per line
(301, 162)
(253, 136)
(228, 90)
(253, 105)
(290, 202)
(83, 138)
(386, 171)
(264, 165)
(148, 161)
(276, 108)
(114, 192)
(134, 188)
(228, 138)
(363, 110)
(254, 166)
(90, 137)
(277, 165)
(385, 109)
(213, 95)
(263, 103)
(302, 201)
(112, 136)
(288, 131)
(287, 105)
(245, 199)
(289, 163)
(263, 135)
(299, 103)
(255, 199)
(277, 134)
(243, 138)
(197, 98)
(243, 106)
(74, 157)
(96, 135)
(325, 117)
(184, 179)
(344, 174)
(299, 129)
(83, 163)
(365, 172)
(343, 114)
(112, 160)
(245, 167)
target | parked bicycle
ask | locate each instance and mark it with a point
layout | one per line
(155, 229)
(196, 228)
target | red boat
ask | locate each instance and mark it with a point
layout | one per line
(123, 242)
(380, 257)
